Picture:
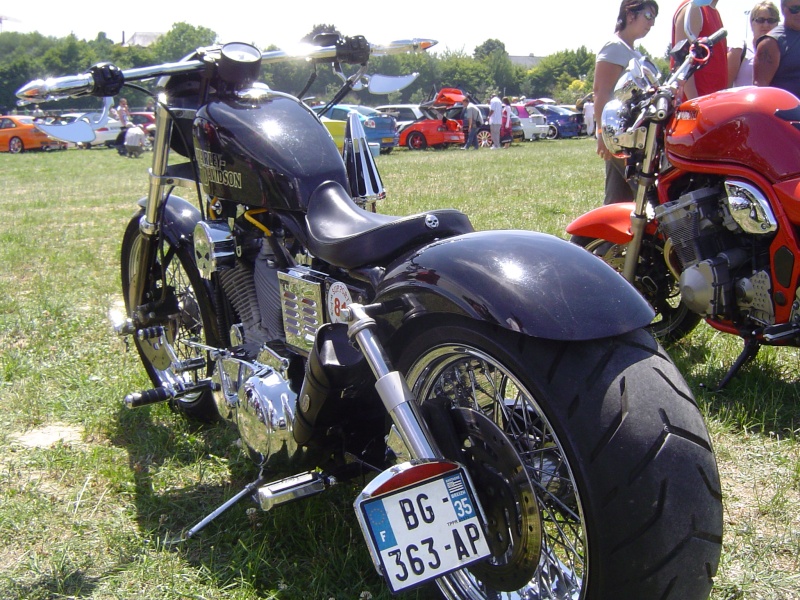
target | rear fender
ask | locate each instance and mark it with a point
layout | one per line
(610, 222)
(533, 283)
(179, 219)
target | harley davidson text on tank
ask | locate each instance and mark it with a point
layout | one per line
(522, 433)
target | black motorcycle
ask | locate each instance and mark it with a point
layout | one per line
(524, 436)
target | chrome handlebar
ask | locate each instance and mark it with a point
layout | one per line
(58, 88)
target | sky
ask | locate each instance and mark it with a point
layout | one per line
(539, 28)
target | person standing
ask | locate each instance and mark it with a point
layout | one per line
(507, 127)
(495, 119)
(471, 118)
(123, 113)
(763, 18)
(634, 21)
(777, 61)
(703, 20)
(588, 116)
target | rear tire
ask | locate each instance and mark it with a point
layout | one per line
(416, 141)
(15, 145)
(553, 133)
(602, 442)
(193, 316)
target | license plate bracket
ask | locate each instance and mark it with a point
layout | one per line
(424, 529)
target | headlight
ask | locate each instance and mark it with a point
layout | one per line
(612, 124)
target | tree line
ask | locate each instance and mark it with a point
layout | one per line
(565, 76)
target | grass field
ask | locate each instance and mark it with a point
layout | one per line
(88, 516)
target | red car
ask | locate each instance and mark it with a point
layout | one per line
(430, 129)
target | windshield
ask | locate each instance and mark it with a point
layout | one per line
(367, 111)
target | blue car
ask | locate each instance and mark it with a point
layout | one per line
(563, 122)
(379, 127)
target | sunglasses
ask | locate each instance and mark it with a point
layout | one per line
(794, 9)
(651, 17)
(770, 20)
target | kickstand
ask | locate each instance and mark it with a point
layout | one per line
(751, 348)
(248, 490)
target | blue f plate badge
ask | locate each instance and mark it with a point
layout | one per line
(428, 526)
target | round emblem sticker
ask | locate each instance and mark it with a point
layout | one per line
(338, 298)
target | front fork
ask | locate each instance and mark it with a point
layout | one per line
(148, 225)
(645, 179)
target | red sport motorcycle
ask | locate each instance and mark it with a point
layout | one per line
(713, 231)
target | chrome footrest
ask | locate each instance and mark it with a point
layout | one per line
(290, 489)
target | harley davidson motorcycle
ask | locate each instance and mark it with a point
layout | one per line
(713, 231)
(523, 434)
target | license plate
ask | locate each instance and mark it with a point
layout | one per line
(387, 140)
(424, 531)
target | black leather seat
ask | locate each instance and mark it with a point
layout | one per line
(347, 236)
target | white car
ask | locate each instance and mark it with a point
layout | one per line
(404, 114)
(103, 136)
(534, 123)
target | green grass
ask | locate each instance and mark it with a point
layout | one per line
(88, 517)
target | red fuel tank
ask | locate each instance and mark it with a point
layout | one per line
(757, 127)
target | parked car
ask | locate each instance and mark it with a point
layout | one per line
(456, 113)
(573, 108)
(404, 114)
(378, 127)
(429, 129)
(563, 123)
(517, 132)
(19, 133)
(103, 136)
(336, 129)
(145, 120)
(534, 123)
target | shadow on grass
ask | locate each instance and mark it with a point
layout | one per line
(312, 548)
(762, 398)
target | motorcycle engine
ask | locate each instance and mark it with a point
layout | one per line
(716, 233)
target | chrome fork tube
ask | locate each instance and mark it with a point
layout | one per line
(148, 224)
(392, 387)
(639, 214)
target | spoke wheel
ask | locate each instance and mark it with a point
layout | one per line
(183, 307)
(484, 138)
(537, 425)
(655, 281)
(552, 133)
(519, 469)
(15, 145)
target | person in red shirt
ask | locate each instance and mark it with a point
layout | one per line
(704, 21)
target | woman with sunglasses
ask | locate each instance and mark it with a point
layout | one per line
(763, 18)
(777, 61)
(634, 21)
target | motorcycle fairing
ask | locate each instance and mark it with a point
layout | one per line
(533, 283)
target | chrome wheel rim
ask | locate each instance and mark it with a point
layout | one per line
(465, 377)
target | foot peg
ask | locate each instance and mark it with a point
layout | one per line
(268, 496)
(292, 488)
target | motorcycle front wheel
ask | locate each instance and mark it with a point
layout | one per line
(183, 307)
(590, 459)
(655, 281)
